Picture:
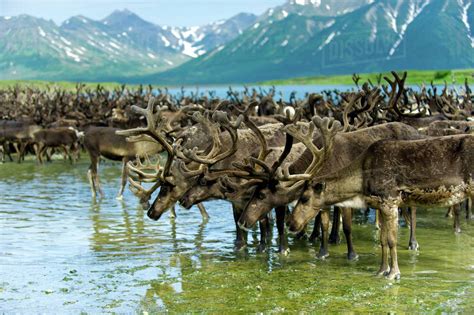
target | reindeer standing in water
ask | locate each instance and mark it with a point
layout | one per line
(388, 175)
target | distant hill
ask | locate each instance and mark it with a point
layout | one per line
(119, 46)
(297, 39)
(376, 36)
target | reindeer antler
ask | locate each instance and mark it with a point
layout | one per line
(328, 128)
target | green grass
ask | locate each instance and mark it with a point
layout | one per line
(66, 85)
(414, 77)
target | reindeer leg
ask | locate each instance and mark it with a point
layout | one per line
(263, 223)
(42, 148)
(377, 219)
(202, 209)
(384, 267)
(23, 150)
(391, 220)
(96, 179)
(457, 218)
(316, 229)
(406, 215)
(336, 224)
(173, 212)
(67, 153)
(413, 244)
(36, 148)
(49, 153)
(91, 174)
(75, 153)
(18, 152)
(123, 182)
(6, 148)
(241, 237)
(280, 220)
(469, 208)
(449, 214)
(347, 228)
(323, 249)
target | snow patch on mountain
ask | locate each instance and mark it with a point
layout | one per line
(41, 32)
(414, 9)
(316, 3)
(465, 5)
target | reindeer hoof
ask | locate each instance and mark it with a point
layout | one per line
(382, 272)
(393, 276)
(353, 256)
(457, 230)
(413, 246)
(239, 246)
(322, 256)
(119, 197)
(284, 251)
(261, 248)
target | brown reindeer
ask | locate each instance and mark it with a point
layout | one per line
(18, 133)
(347, 146)
(104, 142)
(220, 151)
(65, 138)
(388, 175)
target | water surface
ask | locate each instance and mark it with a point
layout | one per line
(62, 252)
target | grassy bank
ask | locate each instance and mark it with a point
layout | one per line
(414, 77)
(69, 86)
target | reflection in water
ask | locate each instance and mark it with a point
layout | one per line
(60, 250)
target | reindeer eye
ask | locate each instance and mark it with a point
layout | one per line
(203, 182)
(261, 196)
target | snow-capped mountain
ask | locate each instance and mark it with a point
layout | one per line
(377, 35)
(297, 38)
(120, 45)
(323, 7)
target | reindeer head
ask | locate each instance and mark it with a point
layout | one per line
(282, 188)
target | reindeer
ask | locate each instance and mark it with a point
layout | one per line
(273, 193)
(225, 148)
(64, 138)
(19, 133)
(388, 175)
(105, 142)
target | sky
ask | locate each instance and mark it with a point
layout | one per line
(163, 12)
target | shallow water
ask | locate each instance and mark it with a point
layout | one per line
(62, 252)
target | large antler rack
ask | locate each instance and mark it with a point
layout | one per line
(146, 172)
(247, 170)
(328, 128)
(153, 131)
(246, 120)
(217, 119)
(397, 87)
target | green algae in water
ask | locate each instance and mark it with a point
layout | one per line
(106, 256)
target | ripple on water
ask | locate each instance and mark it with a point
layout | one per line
(61, 250)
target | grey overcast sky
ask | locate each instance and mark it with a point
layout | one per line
(164, 12)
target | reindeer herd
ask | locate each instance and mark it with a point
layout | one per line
(381, 147)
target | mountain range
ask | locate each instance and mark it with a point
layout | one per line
(298, 38)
